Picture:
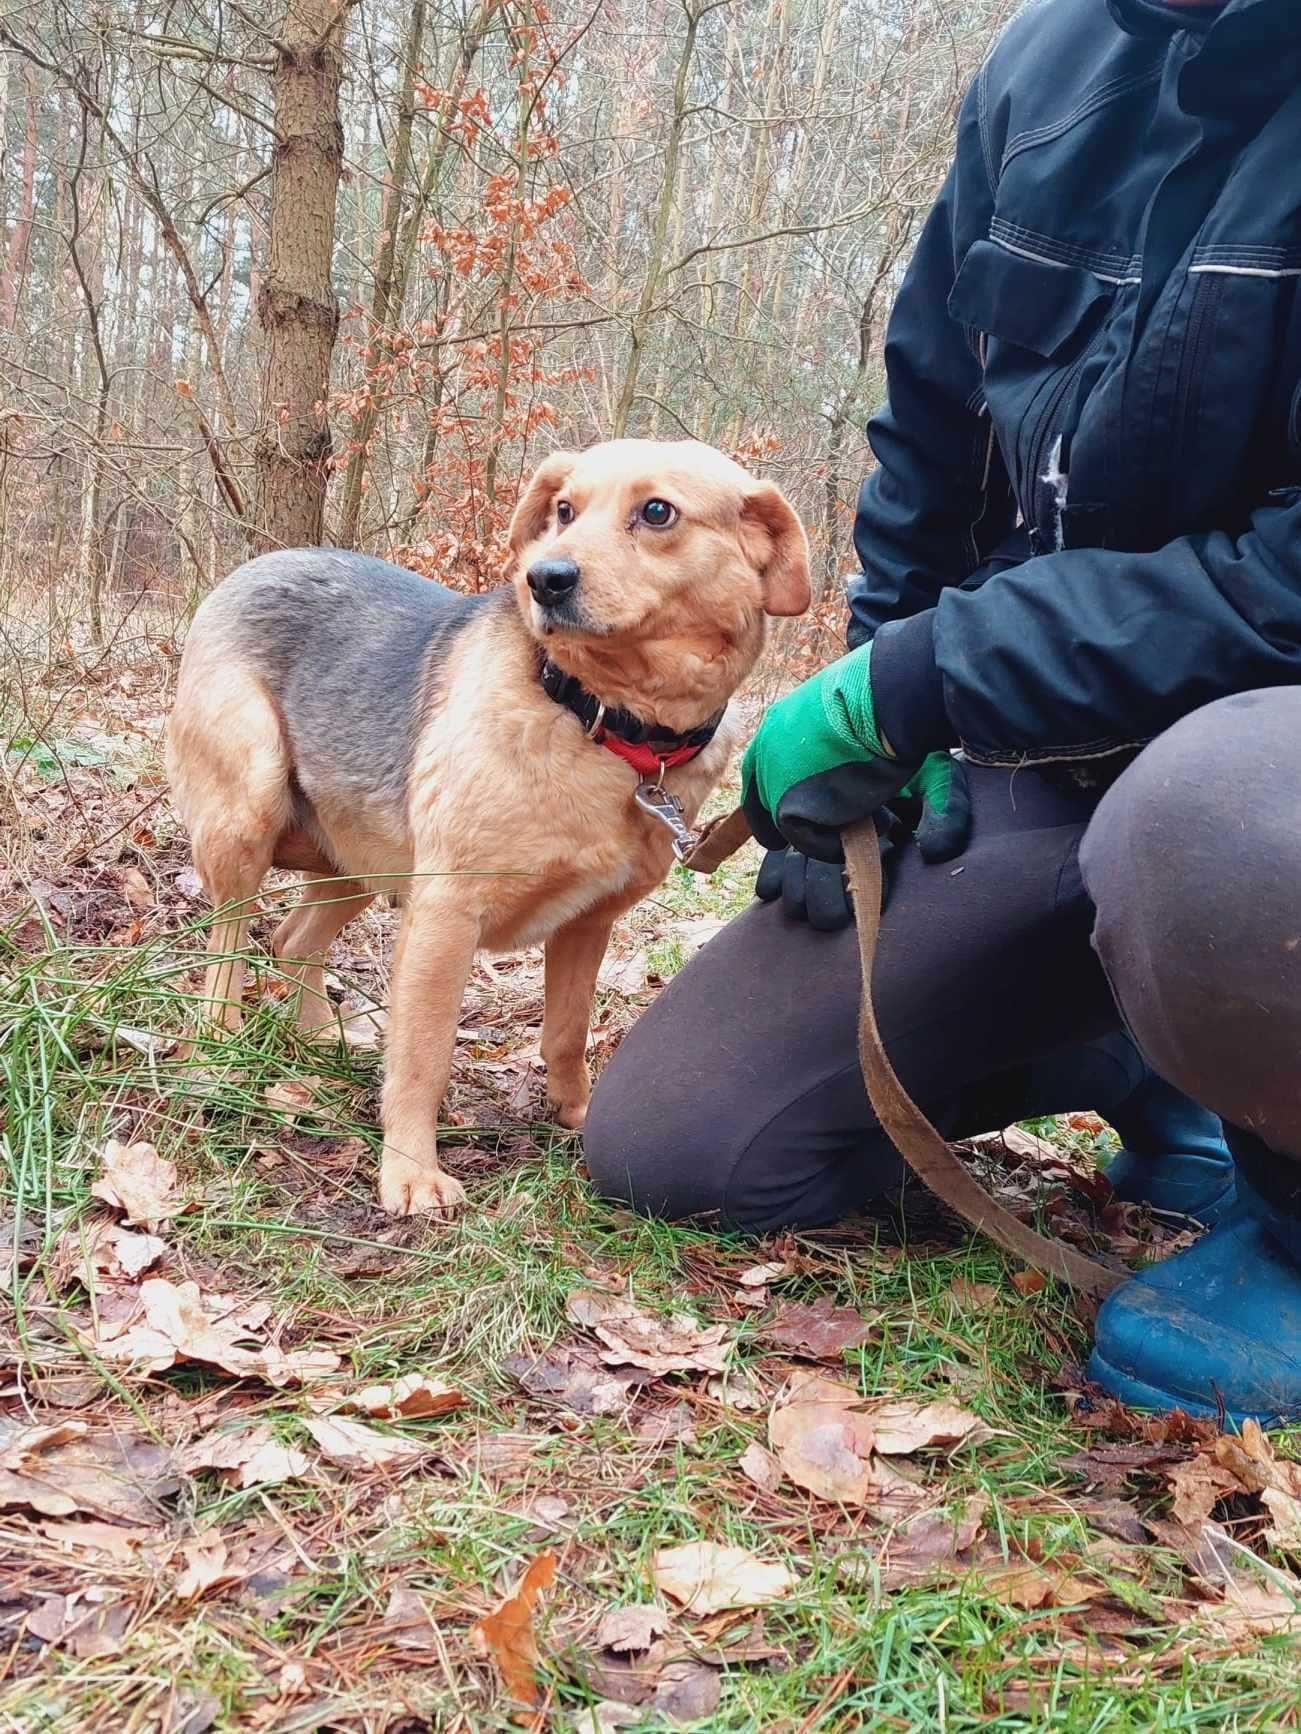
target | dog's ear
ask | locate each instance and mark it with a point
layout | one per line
(775, 545)
(533, 508)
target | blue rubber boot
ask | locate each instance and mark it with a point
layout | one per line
(1174, 1156)
(1217, 1325)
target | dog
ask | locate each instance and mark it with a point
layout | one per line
(513, 764)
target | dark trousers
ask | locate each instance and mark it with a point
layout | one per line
(1004, 984)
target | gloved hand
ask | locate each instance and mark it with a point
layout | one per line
(819, 762)
(812, 891)
(935, 806)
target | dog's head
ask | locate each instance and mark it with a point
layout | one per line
(647, 567)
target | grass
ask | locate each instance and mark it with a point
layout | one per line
(286, 1213)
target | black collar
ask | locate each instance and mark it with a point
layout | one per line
(599, 720)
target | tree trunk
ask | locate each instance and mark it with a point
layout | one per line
(637, 330)
(394, 269)
(296, 305)
(383, 314)
(15, 272)
(851, 399)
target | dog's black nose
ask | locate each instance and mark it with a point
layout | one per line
(552, 580)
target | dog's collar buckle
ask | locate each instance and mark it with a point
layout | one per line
(592, 728)
(662, 804)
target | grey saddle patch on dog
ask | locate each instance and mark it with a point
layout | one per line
(351, 649)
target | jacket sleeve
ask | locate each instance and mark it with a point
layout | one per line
(1082, 651)
(938, 501)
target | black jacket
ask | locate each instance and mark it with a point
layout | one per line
(1087, 510)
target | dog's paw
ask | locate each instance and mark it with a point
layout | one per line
(570, 1113)
(408, 1188)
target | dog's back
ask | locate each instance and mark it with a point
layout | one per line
(347, 648)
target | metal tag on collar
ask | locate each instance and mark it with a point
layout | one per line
(664, 805)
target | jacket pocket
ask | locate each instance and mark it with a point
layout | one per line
(1034, 303)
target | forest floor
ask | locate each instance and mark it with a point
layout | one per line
(272, 1460)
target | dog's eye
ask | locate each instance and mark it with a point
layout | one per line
(564, 512)
(658, 514)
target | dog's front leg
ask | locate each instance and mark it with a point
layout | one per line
(573, 959)
(435, 951)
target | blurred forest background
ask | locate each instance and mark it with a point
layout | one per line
(342, 272)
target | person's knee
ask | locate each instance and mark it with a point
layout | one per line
(1190, 861)
(650, 1148)
(675, 1154)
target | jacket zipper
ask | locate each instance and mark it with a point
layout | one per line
(1043, 434)
(1192, 364)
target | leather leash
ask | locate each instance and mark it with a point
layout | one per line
(911, 1132)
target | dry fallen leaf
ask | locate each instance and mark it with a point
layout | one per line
(132, 1253)
(206, 1559)
(572, 1375)
(623, 974)
(1232, 1465)
(507, 1635)
(406, 1621)
(636, 1338)
(608, 1717)
(88, 1623)
(635, 1627)
(706, 1578)
(110, 1475)
(1198, 1487)
(251, 1458)
(181, 1323)
(818, 1330)
(139, 1182)
(1022, 1584)
(409, 1398)
(214, 1561)
(760, 1274)
(292, 1096)
(901, 1427)
(687, 1691)
(973, 1296)
(761, 1466)
(1285, 1531)
(833, 1442)
(110, 1541)
(673, 1425)
(824, 1441)
(930, 1544)
(1029, 1281)
(103, 1249)
(1254, 1605)
(1250, 1457)
(353, 1445)
(137, 890)
(736, 1391)
(1111, 1464)
(23, 1443)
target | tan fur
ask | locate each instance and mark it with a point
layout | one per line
(516, 829)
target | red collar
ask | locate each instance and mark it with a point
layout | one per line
(647, 760)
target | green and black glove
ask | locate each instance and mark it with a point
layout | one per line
(935, 806)
(819, 762)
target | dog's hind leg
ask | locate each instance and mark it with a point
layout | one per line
(231, 873)
(229, 768)
(305, 935)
